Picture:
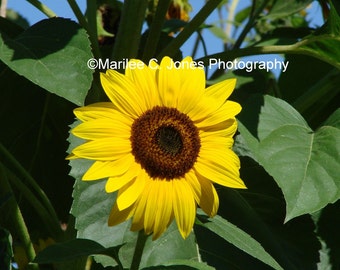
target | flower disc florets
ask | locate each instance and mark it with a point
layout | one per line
(165, 142)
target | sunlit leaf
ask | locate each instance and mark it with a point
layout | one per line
(303, 163)
(283, 8)
(51, 57)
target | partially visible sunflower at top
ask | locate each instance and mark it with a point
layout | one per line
(161, 142)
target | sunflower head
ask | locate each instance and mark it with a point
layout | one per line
(161, 142)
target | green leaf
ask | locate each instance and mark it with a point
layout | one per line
(324, 44)
(5, 249)
(71, 250)
(10, 28)
(332, 25)
(240, 239)
(51, 57)
(181, 264)
(218, 32)
(324, 47)
(242, 15)
(92, 206)
(334, 119)
(303, 163)
(313, 90)
(284, 8)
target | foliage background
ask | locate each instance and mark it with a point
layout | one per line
(288, 141)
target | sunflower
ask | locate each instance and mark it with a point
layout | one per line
(161, 142)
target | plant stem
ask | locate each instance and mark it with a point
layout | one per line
(43, 8)
(137, 255)
(296, 48)
(3, 8)
(41, 129)
(89, 29)
(233, 54)
(323, 89)
(128, 36)
(52, 225)
(155, 30)
(189, 29)
(17, 220)
(92, 26)
(250, 24)
(231, 18)
(17, 167)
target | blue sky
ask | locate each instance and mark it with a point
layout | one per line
(214, 45)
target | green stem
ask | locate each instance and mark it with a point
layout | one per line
(189, 29)
(43, 8)
(92, 26)
(296, 48)
(155, 30)
(41, 129)
(17, 167)
(233, 54)
(3, 8)
(51, 224)
(195, 47)
(250, 24)
(137, 255)
(321, 91)
(129, 32)
(17, 220)
(89, 29)
(231, 18)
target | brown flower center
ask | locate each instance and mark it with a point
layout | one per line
(165, 142)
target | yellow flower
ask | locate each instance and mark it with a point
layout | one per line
(161, 142)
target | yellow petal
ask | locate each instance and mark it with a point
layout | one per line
(223, 129)
(164, 208)
(184, 206)
(151, 207)
(222, 90)
(216, 142)
(145, 80)
(116, 182)
(192, 85)
(138, 217)
(227, 111)
(168, 83)
(204, 192)
(95, 111)
(209, 200)
(103, 149)
(116, 216)
(123, 93)
(220, 166)
(195, 185)
(103, 169)
(129, 193)
(102, 128)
